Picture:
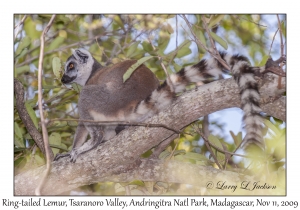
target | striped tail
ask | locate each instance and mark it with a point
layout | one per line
(204, 71)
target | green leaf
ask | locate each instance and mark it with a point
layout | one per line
(39, 160)
(183, 159)
(132, 49)
(19, 149)
(134, 67)
(201, 162)
(214, 140)
(18, 131)
(271, 126)
(177, 67)
(65, 134)
(195, 156)
(30, 29)
(21, 70)
(136, 182)
(201, 37)
(25, 42)
(24, 52)
(49, 87)
(20, 162)
(184, 51)
(76, 87)
(70, 148)
(147, 46)
(18, 140)
(137, 54)
(178, 152)
(214, 21)
(58, 41)
(236, 138)
(163, 42)
(27, 136)
(31, 113)
(56, 67)
(72, 123)
(62, 147)
(169, 29)
(164, 154)
(218, 39)
(55, 139)
(220, 157)
(118, 20)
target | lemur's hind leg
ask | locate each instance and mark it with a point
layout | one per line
(80, 137)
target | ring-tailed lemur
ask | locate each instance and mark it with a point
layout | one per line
(104, 96)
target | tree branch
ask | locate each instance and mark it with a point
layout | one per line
(166, 171)
(119, 158)
(20, 105)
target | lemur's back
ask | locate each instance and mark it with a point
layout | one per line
(106, 93)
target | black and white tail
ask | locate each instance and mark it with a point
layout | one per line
(206, 70)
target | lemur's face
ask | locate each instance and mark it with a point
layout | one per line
(78, 67)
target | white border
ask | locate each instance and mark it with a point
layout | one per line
(153, 6)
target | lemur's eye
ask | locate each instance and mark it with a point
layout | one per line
(71, 66)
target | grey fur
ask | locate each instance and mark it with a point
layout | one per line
(104, 96)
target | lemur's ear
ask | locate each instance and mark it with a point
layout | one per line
(81, 55)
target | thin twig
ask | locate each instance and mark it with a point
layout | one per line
(280, 34)
(273, 42)
(161, 147)
(119, 123)
(219, 149)
(127, 190)
(47, 39)
(59, 49)
(207, 143)
(21, 22)
(199, 43)
(176, 31)
(281, 50)
(96, 40)
(40, 98)
(19, 155)
(65, 91)
(258, 24)
(173, 151)
(216, 52)
(72, 110)
(209, 36)
(62, 101)
(20, 26)
(164, 68)
(175, 53)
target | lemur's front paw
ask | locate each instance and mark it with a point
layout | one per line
(74, 155)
